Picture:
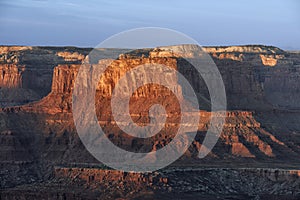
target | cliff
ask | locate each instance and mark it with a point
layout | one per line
(249, 85)
(255, 77)
(243, 135)
(38, 132)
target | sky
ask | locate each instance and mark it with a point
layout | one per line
(211, 22)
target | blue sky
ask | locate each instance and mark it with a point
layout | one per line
(213, 22)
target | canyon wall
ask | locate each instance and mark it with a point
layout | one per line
(255, 77)
(37, 131)
(248, 82)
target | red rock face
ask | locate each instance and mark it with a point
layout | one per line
(260, 127)
(11, 75)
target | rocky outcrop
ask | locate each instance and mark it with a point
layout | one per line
(244, 49)
(11, 76)
(13, 85)
(9, 49)
(96, 176)
(71, 56)
(270, 60)
(28, 71)
(64, 76)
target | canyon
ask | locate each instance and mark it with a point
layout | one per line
(256, 156)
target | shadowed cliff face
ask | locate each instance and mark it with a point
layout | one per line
(37, 131)
(27, 72)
